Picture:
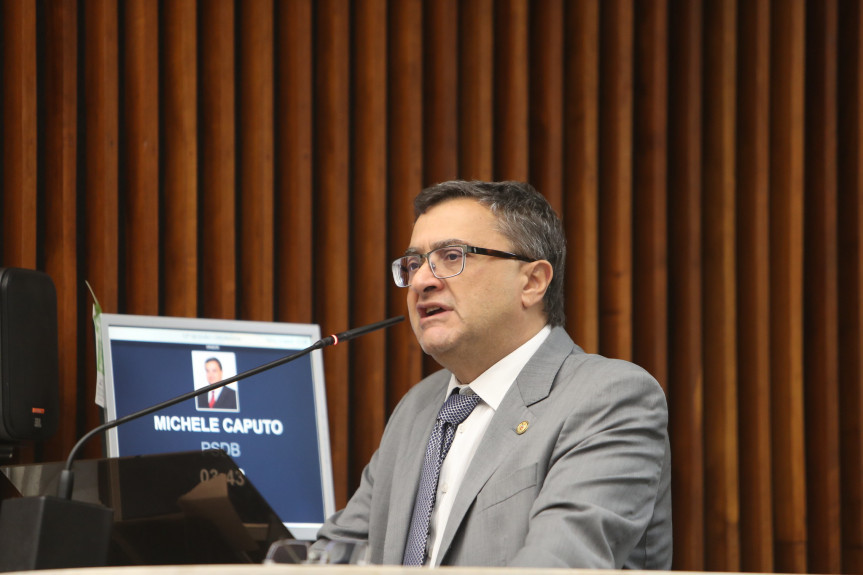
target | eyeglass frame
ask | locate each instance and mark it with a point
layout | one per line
(466, 249)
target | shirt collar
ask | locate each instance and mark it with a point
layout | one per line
(493, 383)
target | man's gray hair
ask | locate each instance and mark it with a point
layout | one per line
(524, 217)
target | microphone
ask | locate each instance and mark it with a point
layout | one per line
(99, 518)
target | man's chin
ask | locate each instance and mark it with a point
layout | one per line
(435, 345)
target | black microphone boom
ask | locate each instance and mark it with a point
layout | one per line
(64, 487)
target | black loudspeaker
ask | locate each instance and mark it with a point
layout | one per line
(29, 362)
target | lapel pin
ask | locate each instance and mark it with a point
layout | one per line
(522, 427)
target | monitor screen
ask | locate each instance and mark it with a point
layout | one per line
(273, 424)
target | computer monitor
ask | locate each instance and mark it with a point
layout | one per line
(273, 424)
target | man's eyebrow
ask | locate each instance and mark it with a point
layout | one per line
(435, 245)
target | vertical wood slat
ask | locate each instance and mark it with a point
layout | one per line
(218, 161)
(581, 175)
(59, 146)
(685, 373)
(140, 177)
(546, 106)
(179, 158)
(421, 158)
(753, 260)
(19, 133)
(440, 84)
(437, 103)
(332, 273)
(719, 291)
(256, 217)
(368, 244)
(476, 105)
(850, 278)
(650, 252)
(101, 177)
(294, 150)
(786, 283)
(615, 179)
(510, 147)
(820, 288)
(407, 87)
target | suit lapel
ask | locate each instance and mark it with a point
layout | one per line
(406, 479)
(533, 384)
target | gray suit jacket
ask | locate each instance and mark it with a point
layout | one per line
(586, 485)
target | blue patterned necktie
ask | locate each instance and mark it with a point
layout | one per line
(455, 410)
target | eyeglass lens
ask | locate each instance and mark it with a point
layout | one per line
(445, 262)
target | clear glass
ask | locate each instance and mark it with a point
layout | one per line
(292, 551)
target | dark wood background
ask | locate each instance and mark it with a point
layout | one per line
(258, 159)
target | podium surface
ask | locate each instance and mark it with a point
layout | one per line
(329, 569)
(342, 570)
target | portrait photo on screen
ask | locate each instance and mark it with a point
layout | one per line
(209, 367)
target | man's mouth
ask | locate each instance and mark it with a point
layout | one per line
(431, 310)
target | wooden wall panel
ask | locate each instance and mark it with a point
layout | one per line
(753, 287)
(439, 108)
(615, 178)
(332, 172)
(58, 144)
(369, 250)
(218, 160)
(685, 370)
(850, 279)
(294, 153)
(101, 179)
(650, 182)
(179, 159)
(546, 101)
(786, 284)
(140, 155)
(581, 171)
(821, 374)
(256, 198)
(476, 100)
(407, 86)
(722, 511)
(259, 160)
(510, 90)
(19, 138)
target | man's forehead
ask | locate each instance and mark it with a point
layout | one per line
(455, 221)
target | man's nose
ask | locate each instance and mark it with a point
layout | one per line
(423, 277)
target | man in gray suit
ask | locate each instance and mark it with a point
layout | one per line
(563, 459)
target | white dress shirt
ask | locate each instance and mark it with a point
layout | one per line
(491, 386)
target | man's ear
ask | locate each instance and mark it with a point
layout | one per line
(538, 276)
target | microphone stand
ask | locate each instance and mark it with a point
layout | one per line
(96, 519)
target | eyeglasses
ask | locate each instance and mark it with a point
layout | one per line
(444, 262)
